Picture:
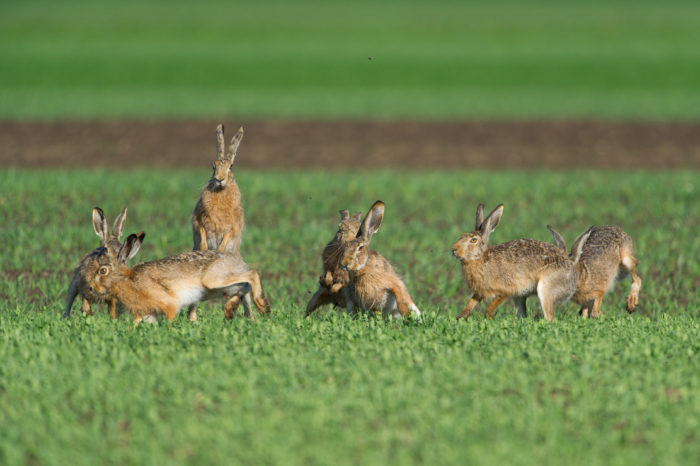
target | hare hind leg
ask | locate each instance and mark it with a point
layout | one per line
(630, 263)
(491, 310)
(521, 306)
(231, 306)
(250, 277)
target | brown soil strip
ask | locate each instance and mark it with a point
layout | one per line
(355, 144)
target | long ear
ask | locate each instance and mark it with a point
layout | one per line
(558, 238)
(577, 247)
(491, 223)
(479, 216)
(235, 142)
(344, 214)
(220, 144)
(357, 216)
(119, 225)
(372, 221)
(130, 247)
(99, 223)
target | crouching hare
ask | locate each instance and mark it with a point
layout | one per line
(88, 266)
(516, 269)
(166, 285)
(606, 256)
(374, 286)
(332, 283)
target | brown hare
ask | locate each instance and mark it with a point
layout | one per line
(167, 285)
(516, 269)
(332, 283)
(217, 220)
(88, 266)
(607, 255)
(374, 286)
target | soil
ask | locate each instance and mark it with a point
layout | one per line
(356, 144)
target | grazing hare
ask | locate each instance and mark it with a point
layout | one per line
(332, 283)
(516, 269)
(374, 286)
(217, 220)
(109, 244)
(166, 285)
(606, 256)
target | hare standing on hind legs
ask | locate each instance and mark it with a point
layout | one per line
(374, 286)
(217, 220)
(516, 269)
(607, 256)
(332, 283)
(109, 244)
(166, 285)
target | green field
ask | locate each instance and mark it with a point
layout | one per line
(445, 59)
(330, 389)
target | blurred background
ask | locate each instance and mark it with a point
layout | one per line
(608, 84)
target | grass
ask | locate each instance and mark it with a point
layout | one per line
(334, 390)
(506, 59)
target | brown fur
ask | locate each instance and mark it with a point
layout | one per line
(606, 256)
(374, 285)
(218, 220)
(516, 269)
(88, 265)
(334, 279)
(166, 285)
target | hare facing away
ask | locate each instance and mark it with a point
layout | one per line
(217, 219)
(332, 283)
(88, 266)
(166, 285)
(606, 256)
(374, 286)
(517, 269)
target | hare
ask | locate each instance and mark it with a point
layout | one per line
(166, 285)
(334, 279)
(606, 256)
(516, 269)
(217, 219)
(109, 244)
(374, 286)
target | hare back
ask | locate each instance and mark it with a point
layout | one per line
(371, 287)
(190, 264)
(605, 240)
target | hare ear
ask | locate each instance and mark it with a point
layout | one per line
(118, 226)
(235, 142)
(577, 246)
(357, 216)
(220, 144)
(99, 223)
(479, 216)
(558, 238)
(344, 214)
(130, 247)
(372, 221)
(491, 223)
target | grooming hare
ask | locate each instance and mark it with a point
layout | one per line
(374, 286)
(109, 244)
(332, 283)
(166, 285)
(606, 256)
(516, 269)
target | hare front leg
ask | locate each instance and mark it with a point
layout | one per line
(320, 298)
(521, 306)
(493, 305)
(87, 310)
(231, 306)
(192, 313)
(224, 241)
(112, 303)
(473, 302)
(202, 238)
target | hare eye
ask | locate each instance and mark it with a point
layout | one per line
(104, 270)
(473, 240)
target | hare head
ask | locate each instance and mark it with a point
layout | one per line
(113, 268)
(111, 242)
(222, 167)
(356, 252)
(471, 246)
(348, 226)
